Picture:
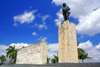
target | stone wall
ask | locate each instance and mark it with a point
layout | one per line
(33, 54)
(67, 43)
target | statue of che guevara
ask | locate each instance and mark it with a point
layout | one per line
(65, 12)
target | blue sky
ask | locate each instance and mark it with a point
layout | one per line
(26, 22)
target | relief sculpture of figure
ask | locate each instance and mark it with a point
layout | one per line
(65, 11)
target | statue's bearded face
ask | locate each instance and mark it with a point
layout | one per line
(64, 4)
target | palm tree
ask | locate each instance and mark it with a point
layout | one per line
(12, 53)
(80, 51)
(3, 59)
(56, 58)
(14, 58)
(52, 60)
(48, 60)
(81, 54)
(84, 56)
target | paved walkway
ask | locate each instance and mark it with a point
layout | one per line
(56, 65)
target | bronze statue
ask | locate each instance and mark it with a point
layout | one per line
(65, 11)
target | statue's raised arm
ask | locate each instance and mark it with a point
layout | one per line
(65, 12)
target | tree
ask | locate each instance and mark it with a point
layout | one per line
(52, 60)
(81, 54)
(84, 55)
(12, 53)
(48, 60)
(56, 59)
(14, 58)
(3, 59)
(80, 51)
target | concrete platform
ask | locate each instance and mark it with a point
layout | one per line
(56, 65)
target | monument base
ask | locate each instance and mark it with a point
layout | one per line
(67, 43)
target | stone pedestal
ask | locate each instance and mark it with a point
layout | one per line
(33, 54)
(67, 43)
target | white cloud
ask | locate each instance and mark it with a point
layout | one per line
(42, 39)
(42, 26)
(98, 46)
(89, 24)
(34, 33)
(19, 45)
(44, 17)
(43, 20)
(15, 24)
(53, 47)
(94, 53)
(3, 49)
(35, 25)
(60, 17)
(26, 17)
(86, 45)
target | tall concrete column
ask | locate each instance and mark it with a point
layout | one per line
(67, 43)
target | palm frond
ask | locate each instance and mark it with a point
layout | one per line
(78, 43)
(81, 50)
(89, 58)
